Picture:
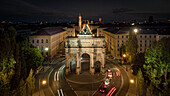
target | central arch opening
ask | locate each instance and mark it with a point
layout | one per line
(85, 62)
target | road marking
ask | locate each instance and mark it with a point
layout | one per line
(58, 76)
(49, 82)
(61, 92)
(55, 76)
(58, 92)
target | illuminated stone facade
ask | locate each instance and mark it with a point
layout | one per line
(85, 43)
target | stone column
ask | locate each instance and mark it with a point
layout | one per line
(92, 69)
(67, 66)
(78, 70)
(102, 63)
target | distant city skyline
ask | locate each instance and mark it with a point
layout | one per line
(67, 10)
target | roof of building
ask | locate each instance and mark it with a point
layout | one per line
(125, 30)
(148, 31)
(49, 31)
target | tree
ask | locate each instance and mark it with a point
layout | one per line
(30, 83)
(5, 49)
(139, 61)
(32, 56)
(149, 90)
(22, 88)
(122, 50)
(131, 46)
(157, 59)
(140, 83)
(12, 37)
(16, 77)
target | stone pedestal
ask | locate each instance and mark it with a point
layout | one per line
(102, 70)
(77, 70)
(92, 70)
(67, 70)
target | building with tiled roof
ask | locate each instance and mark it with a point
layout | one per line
(115, 37)
(50, 40)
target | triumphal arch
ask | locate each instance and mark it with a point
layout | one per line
(85, 52)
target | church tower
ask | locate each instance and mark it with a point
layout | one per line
(80, 21)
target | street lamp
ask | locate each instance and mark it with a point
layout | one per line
(131, 81)
(46, 49)
(43, 83)
(124, 55)
(135, 30)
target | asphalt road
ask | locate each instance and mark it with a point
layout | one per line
(119, 84)
(58, 86)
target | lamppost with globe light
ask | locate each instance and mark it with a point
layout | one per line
(43, 83)
(46, 49)
(124, 56)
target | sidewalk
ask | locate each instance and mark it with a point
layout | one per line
(132, 87)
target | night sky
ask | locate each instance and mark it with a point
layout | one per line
(109, 10)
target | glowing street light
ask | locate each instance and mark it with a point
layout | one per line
(46, 49)
(124, 55)
(44, 82)
(135, 30)
(93, 35)
(131, 81)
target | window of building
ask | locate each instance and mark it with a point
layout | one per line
(117, 36)
(140, 45)
(118, 45)
(145, 45)
(41, 40)
(122, 36)
(37, 41)
(126, 36)
(140, 49)
(122, 41)
(150, 36)
(140, 36)
(150, 41)
(32, 41)
(118, 41)
(42, 48)
(145, 41)
(154, 36)
(140, 41)
(145, 36)
(46, 40)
